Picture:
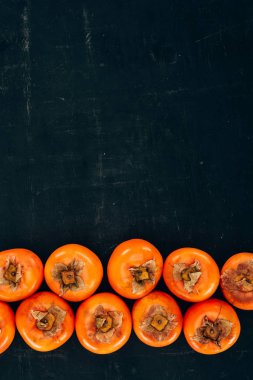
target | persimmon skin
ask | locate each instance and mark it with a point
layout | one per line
(140, 308)
(85, 319)
(7, 326)
(132, 253)
(26, 324)
(213, 309)
(232, 263)
(92, 272)
(32, 274)
(206, 284)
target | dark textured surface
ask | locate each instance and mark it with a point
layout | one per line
(124, 119)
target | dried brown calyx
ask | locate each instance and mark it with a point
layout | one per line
(107, 323)
(69, 276)
(11, 273)
(239, 279)
(189, 274)
(143, 274)
(158, 323)
(213, 331)
(49, 321)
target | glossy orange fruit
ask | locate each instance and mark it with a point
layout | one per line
(21, 274)
(157, 319)
(191, 274)
(211, 326)
(7, 326)
(73, 272)
(45, 321)
(134, 268)
(103, 323)
(237, 280)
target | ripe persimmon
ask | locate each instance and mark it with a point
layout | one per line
(73, 272)
(211, 326)
(45, 321)
(157, 319)
(21, 274)
(7, 326)
(134, 268)
(237, 280)
(103, 323)
(191, 274)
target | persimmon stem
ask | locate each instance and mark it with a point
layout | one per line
(211, 332)
(104, 323)
(185, 274)
(10, 273)
(141, 274)
(68, 277)
(159, 322)
(46, 323)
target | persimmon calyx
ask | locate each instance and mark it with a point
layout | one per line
(189, 274)
(158, 322)
(69, 276)
(49, 321)
(213, 331)
(107, 323)
(239, 279)
(11, 273)
(142, 274)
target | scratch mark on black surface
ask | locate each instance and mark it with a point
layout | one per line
(26, 44)
(178, 353)
(27, 66)
(98, 126)
(226, 29)
(177, 222)
(87, 35)
(95, 112)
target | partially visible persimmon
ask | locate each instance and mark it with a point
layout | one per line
(7, 326)
(211, 326)
(237, 280)
(45, 321)
(191, 274)
(134, 268)
(103, 323)
(157, 319)
(73, 272)
(21, 274)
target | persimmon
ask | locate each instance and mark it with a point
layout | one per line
(157, 319)
(191, 274)
(134, 268)
(103, 323)
(73, 272)
(211, 326)
(21, 274)
(237, 280)
(7, 326)
(45, 321)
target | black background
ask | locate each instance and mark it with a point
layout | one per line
(122, 119)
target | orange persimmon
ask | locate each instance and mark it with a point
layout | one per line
(73, 272)
(45, 321)
(103, 323)
(21, 274)
(211, 326)
(157, 319)
(7, 326)
(134, 268)
(237, 280)
(191, 274)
